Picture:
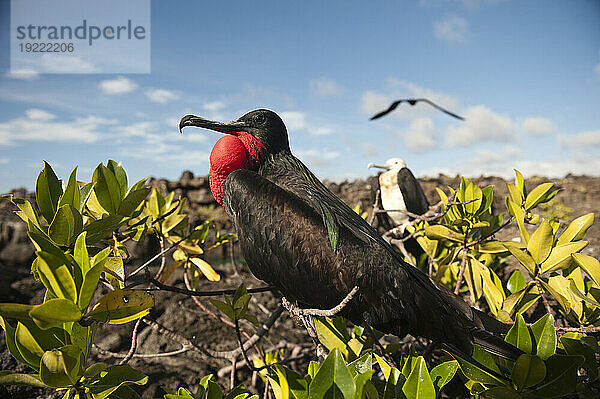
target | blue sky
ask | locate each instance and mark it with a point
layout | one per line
(524, 74)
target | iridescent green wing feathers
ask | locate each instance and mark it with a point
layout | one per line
(332, 209)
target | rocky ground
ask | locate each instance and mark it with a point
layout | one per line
(581, 195)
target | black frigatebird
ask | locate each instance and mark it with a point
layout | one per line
(413, 101)
(298, 236)
(400, 191)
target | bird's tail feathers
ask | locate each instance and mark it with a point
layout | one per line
(461, 355)
(496, 345)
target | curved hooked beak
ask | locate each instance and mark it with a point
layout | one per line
(372, 165)
(223, 127)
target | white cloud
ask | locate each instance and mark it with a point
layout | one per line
(537, 126)
(314, 157)
(294, 120)
(23, 74)
(39, 114)
(39, 125)
(325, 87)
(58, 63)
(481, 124)
(4, 161)
(214, 106)
(322, 131)
(119, 85)
(373, 102)
(161, 96)
(167, 153)
(590, 138)
(597, 70)
(452, 29)
(421, 135)
(490, 158)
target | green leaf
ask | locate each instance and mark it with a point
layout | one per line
(15, 311)
(120, 175)
(66, 225)
(538, 195)
(331, 336)
(47, 192)
(80, 336)
(528, 370)
(519, 336)
(85, 191)
(477, 374)
(32, 380)
(443, 374)
(25, 212)
(81, 255)
(90, 282)
(54, 313)
(71, 194)
(98, 229)
(560, 257)
(590, 265)
(523, 258)
(333, 380)
(9, 336)
(224, 307)
(61, 367)
(114, 271)
(540, 243)
(520, 184)
(28, 347)
(544, 334)
(58, 275)
(43, 243)
(122, 306)
(132, 201)
(439, 232)
(114, 377)
(206, 269)
(419, 384)
(576, 347)
(291, 382)
(516, 282)
(577, 229)
(514, 194)
(107, 189)
(561, 376)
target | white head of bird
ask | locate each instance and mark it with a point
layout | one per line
(392, 164)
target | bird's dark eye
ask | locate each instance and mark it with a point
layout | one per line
(259, 118)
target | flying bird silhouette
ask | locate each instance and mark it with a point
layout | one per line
(413, 101)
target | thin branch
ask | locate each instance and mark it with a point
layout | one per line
(133, 346)
(141, 355)
(163, 287)
(320, 312)
(145, 264)
(473, 243)
(463, 265)
(541, 291)
(163, 260)
(232, 375)
(585, 330)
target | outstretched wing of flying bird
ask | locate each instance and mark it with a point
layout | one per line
(413, 101)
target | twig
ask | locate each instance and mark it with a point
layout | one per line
(320, 312)
(133, 346)
(541, 291)
(233, 370)
(163, 287)
(145, 264)
(163, 260)
(376, 208)
(141, 355)
(584, 330)
(463, 265)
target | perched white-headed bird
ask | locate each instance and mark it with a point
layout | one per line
(400, 191)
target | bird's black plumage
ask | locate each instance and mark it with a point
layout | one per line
(298, 236)
(413, 101)
(412, 192)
